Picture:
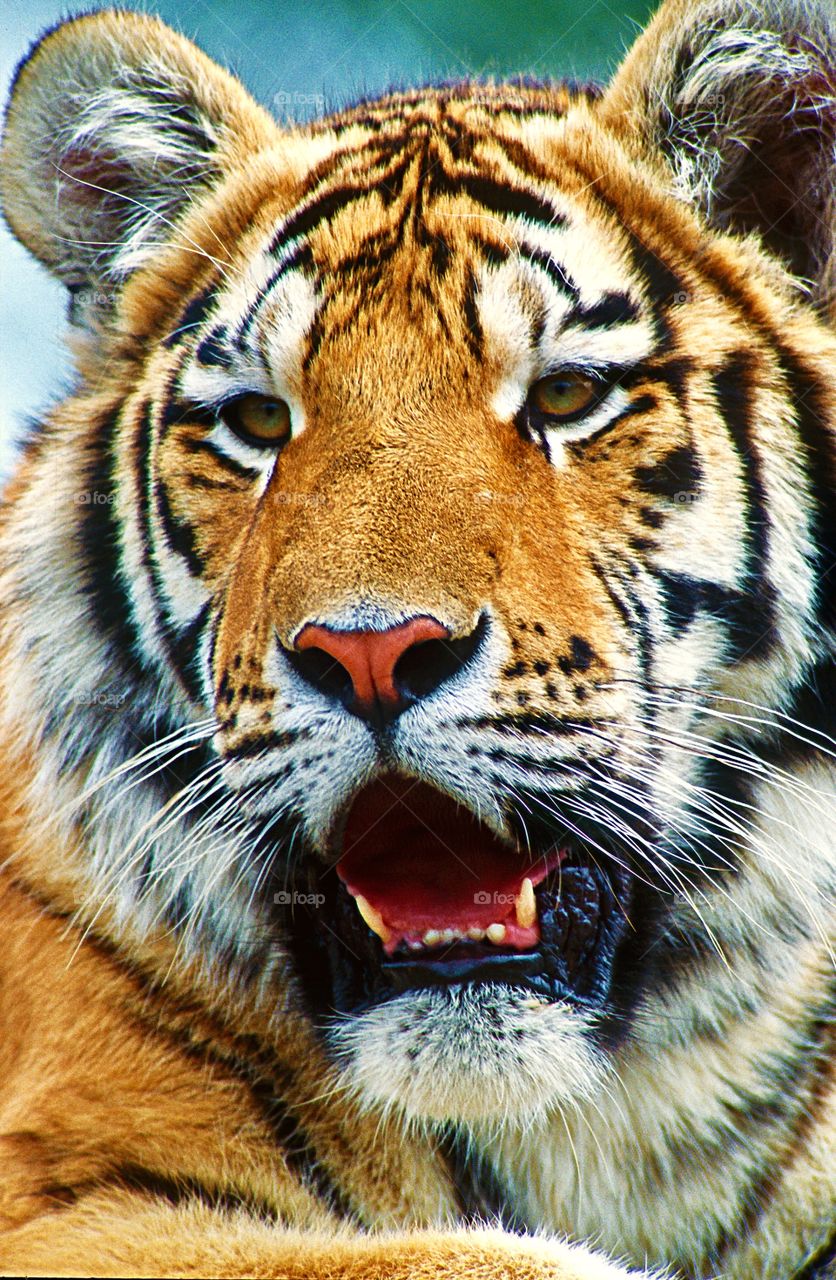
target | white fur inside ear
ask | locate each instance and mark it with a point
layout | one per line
(128, 151)
(718, 107)
(116, 125)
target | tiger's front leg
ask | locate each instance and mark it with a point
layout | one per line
(130, 1236)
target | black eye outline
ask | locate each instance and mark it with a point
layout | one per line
(601, 384)
(229, 414)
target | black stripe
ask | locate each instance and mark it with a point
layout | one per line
(193, 316)
(100, 542)
(684, 596)
(733, 391)
(641, 404)
(679, 471)
(479, 1191)
(502, 198)
(663, 287)
(179, 1190)
(328, 205)
(224, 460)
(252, 1064)
(473, 325)
(799, 1079)
(612, 309)
(492, 251)
(811, 713)
(744, 620)
(174, 640)
(615, 599)
(179, 534)
(820, 1265)
(183, 646)
(713, 849)
(813, 423)
(212, 351)
(553, 270)
(299, 1151)
(300, 259)
(370, 256)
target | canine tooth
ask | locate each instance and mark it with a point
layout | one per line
(495, 933)
(372, 918)
(526, 906)
(431, 938)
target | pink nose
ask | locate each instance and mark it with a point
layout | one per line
(370, 658)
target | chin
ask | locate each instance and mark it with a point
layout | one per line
(469, 1054)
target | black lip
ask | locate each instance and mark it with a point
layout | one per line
(471, 962)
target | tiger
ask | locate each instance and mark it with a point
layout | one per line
(417, 706)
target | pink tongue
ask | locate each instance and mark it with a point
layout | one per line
(424, 863)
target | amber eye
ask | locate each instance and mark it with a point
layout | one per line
(258, 419)
(565, 395)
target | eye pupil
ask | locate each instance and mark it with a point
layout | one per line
(258, 419)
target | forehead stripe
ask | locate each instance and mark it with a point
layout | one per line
(194, 315)
(326, 206)
(300, 258)
(613, 308)
(556, 273)
(500, 198)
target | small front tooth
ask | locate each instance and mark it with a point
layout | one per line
(431, 938)
(495, 933)
(448, 936)
(372, 918)
(476, 935)
(526, 905)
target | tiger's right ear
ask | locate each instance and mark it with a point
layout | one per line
(738, 99)
(113, 123)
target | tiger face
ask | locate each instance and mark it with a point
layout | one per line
(460, 510)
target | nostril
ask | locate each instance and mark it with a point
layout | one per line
(424, 667)
(324, 672)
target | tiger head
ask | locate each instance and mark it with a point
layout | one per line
(442, 499)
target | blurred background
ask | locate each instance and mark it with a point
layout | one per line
(298, 57)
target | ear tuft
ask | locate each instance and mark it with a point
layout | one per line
(114, 123)
(739, 98)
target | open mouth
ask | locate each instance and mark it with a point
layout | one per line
(425, 895)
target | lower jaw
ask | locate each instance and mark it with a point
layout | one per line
(470, 1054)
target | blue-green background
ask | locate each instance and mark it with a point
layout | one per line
(296, 58)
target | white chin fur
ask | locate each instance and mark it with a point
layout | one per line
(470, 1054)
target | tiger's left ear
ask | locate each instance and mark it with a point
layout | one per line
(739, 98)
